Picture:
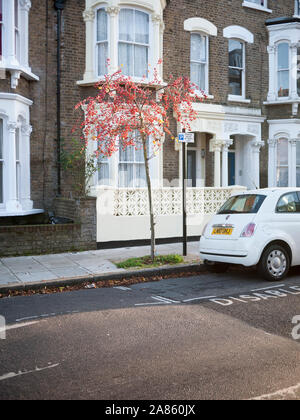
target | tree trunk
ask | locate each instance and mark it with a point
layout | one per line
(152, 224)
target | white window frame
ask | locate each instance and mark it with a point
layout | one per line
(148, 46)
(205, 28)
(100, 42)
(242, 97)
(206, 63)
(240, 34)
(153, 8)
(278, 165)
(262, 5)
(282, 98)
(114, 163)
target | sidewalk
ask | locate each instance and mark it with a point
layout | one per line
(26, 270)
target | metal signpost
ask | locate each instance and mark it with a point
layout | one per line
(184, 138)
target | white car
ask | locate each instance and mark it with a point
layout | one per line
(260, 227)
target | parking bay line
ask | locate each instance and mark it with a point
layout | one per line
(20, 325)
(267, 288)
(199, 298)
(20, 373)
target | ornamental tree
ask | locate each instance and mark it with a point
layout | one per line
(125, 113)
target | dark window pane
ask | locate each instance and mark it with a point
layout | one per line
(235, 82)
(235, 54)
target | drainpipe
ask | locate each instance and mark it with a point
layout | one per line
(59, 6)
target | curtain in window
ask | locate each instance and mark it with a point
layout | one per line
(102, 41)
(1, 161)
(133, 42)
(282, 163)
(132, 173)
(199, 60)
(103, 171)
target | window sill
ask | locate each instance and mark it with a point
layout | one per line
(4, 213)
(283, 101)
(256, 7)
(145, 82)
(240, 99)
(16, 72)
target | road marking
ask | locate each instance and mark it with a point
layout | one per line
(20, 373)
(163, 299)
(200, 298)
(125, 289)
(281, 393)
(46, 315)
(269, 293)
(267, 288)
(15, 326)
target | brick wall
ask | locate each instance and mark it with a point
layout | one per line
(43, 239)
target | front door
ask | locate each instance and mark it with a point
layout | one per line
(191, 168)
(231, 168)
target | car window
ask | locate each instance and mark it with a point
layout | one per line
(289, 203)
(246, 203)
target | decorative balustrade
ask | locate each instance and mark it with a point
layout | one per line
(168, 201)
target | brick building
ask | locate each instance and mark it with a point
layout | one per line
(242, 53)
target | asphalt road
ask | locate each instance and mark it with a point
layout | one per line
(214, 336)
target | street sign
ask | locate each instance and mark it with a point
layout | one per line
(186, 138)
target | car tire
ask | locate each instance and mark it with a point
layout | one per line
(216, 267)
(275, 263)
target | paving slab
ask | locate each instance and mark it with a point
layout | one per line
(31, 277)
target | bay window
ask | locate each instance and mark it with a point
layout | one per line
(284, 153)
(15, 132)
(130, 37)
(14, 21)
(284, 61)
(199, 61)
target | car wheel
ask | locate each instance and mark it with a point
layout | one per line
(216, 267)
(275, 263)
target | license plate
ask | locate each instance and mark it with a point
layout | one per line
(222, 231)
